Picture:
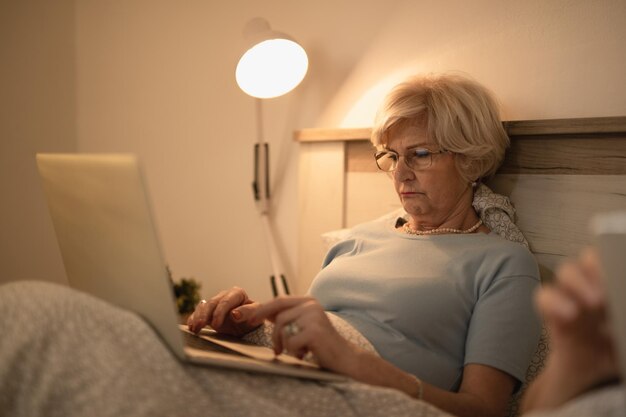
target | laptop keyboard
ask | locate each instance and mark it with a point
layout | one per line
(202, 344)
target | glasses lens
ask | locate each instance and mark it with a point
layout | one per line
(419, 158)
(386, 161)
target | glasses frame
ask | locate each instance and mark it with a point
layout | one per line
(408, 161)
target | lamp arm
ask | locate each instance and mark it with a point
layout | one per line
(277, 280)
(261, 189)
(261, 184)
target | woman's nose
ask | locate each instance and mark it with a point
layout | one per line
(402, 171)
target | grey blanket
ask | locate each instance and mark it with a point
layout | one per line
(64, 353)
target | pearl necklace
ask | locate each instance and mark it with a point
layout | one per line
(408, 229)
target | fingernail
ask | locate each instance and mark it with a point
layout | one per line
(236, 314)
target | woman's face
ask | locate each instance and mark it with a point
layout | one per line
(430, 195)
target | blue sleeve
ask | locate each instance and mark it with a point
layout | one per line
(505, 328)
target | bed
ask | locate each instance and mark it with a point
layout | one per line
(557, 173)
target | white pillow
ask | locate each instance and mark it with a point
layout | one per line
(334, 236)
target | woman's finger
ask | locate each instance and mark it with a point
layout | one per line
(590, 263)
(289, 323)
(244, 313)
(269, 310)
(225, 304)
(297, 345)
(555, 305)
(200, 317)
(571, 279)
(190, 321)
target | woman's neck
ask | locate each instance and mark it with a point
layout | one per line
(457, 221)
(462, 217)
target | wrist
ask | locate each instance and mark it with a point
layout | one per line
(350, 361)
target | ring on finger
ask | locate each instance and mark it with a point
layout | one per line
(292, 329)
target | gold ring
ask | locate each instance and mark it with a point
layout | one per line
(292, 329)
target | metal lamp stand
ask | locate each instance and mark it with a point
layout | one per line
(261, 189)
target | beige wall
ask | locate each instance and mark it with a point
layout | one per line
(543, 59)
(156, 77)
(37, 114)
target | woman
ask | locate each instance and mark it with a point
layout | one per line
(445, 303)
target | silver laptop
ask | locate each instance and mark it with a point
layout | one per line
(104, 225)
(609, 230)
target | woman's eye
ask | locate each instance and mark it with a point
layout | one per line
(421, 153)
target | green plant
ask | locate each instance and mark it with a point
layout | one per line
(187, 293)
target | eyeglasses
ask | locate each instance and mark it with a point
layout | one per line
(415, 159)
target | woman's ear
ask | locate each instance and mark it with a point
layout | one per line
(469, 169)
(463, 166)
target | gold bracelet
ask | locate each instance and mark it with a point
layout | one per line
(420, 388)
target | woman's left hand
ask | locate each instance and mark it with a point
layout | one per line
(301, 326)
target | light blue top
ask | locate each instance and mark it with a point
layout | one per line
(433, 304)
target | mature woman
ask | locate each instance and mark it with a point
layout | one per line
(445, 302)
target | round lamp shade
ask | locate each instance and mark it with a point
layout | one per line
(271, 68)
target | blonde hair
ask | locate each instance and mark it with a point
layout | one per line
(461, 116)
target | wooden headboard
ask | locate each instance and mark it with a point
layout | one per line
(557, 173)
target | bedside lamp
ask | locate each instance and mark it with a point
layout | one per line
(273, 65)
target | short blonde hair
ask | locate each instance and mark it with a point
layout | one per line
(461, 116)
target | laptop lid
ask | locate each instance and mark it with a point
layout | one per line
(105, 228)
(609, 230)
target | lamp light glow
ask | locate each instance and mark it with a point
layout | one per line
(271, 68)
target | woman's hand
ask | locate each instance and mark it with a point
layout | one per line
(301, 326)
(575, 310)
(582, 351)
(229, 312)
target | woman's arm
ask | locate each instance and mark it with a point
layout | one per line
(582, 353)
(484, 391)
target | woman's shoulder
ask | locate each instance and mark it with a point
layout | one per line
(347, 240)
(381, 225)
(491, 256)
(512, 258)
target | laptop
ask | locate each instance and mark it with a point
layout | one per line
(609, 230)
(104, 225)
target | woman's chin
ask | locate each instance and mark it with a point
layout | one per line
(413, 210)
